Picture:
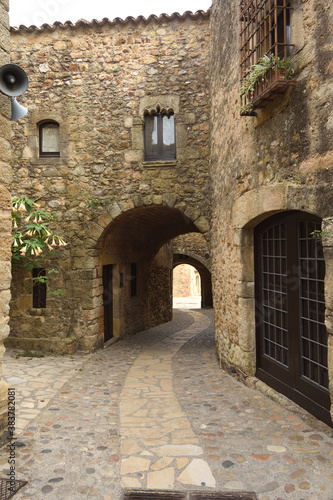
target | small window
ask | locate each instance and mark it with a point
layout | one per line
(49, 143)
(159, 133)
(38, 289)
(134, 280)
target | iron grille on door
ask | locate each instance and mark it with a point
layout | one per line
(290, 325)
(312, 303)
(274, 296)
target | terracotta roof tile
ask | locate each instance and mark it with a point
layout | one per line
(117, 20)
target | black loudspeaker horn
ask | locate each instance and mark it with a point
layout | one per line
(13, 80)
(18, 111)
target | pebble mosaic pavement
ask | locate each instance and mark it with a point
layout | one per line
(155, 411)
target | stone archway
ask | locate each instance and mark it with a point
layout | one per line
(248, 212)
(205, 276)
(134, 239)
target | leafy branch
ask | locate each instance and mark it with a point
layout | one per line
(32, 234)
(318, 233)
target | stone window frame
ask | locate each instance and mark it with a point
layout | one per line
(160, 113)
(183, 120)
(41, 126)
(31, 149)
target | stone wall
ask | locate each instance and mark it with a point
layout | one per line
(5, 210)
(193, 245)
(97, 80)
(182, 281)
(280, 160)
(185, 282)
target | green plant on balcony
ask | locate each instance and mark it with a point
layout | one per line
(257, 74)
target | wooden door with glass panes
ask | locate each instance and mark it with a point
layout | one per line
(290, 310)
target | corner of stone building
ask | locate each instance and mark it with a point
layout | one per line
(279, 161)
(5, 209)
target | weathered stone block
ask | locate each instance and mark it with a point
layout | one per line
(4, 37)
(245, 289)
(126, 205)
(114, 210)
(133, 156)
(246, 324)
(4, 331)
(5, 275)
(202, 224)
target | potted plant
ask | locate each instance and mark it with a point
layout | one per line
(259, 76)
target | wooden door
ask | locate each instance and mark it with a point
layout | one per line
(290, 310)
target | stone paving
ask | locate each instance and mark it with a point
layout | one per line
(156, 411)
(36, 381)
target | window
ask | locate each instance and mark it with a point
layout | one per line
(49, 143)
(38, 288)
(265, 35)
(159, 136)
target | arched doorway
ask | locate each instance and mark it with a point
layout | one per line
(186, 287)
(291, 336)
(201, 272)
(137, 261)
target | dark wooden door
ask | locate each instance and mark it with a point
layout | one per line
(108, 302)
(290, 310)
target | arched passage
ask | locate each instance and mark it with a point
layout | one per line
(205, 276)
(143, 230)
(136, 263)
(186, 287)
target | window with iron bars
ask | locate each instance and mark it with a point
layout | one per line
(265, 50)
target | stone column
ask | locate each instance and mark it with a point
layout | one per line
(5, 211)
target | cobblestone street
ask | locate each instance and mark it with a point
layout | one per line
(156, 411)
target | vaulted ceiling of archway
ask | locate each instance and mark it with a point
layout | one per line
(146, 229)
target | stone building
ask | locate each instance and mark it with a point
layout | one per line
(272, 187)
(5, 210)
(137, 135)
(117, 145)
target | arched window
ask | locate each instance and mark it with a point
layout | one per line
(159, 137)
(49, 143)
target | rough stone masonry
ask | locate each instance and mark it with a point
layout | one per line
(97, 81)
(5, 209)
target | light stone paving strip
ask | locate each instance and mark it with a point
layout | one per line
(158, 444)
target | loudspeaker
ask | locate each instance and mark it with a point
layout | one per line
(18, 111)
(13, 80)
